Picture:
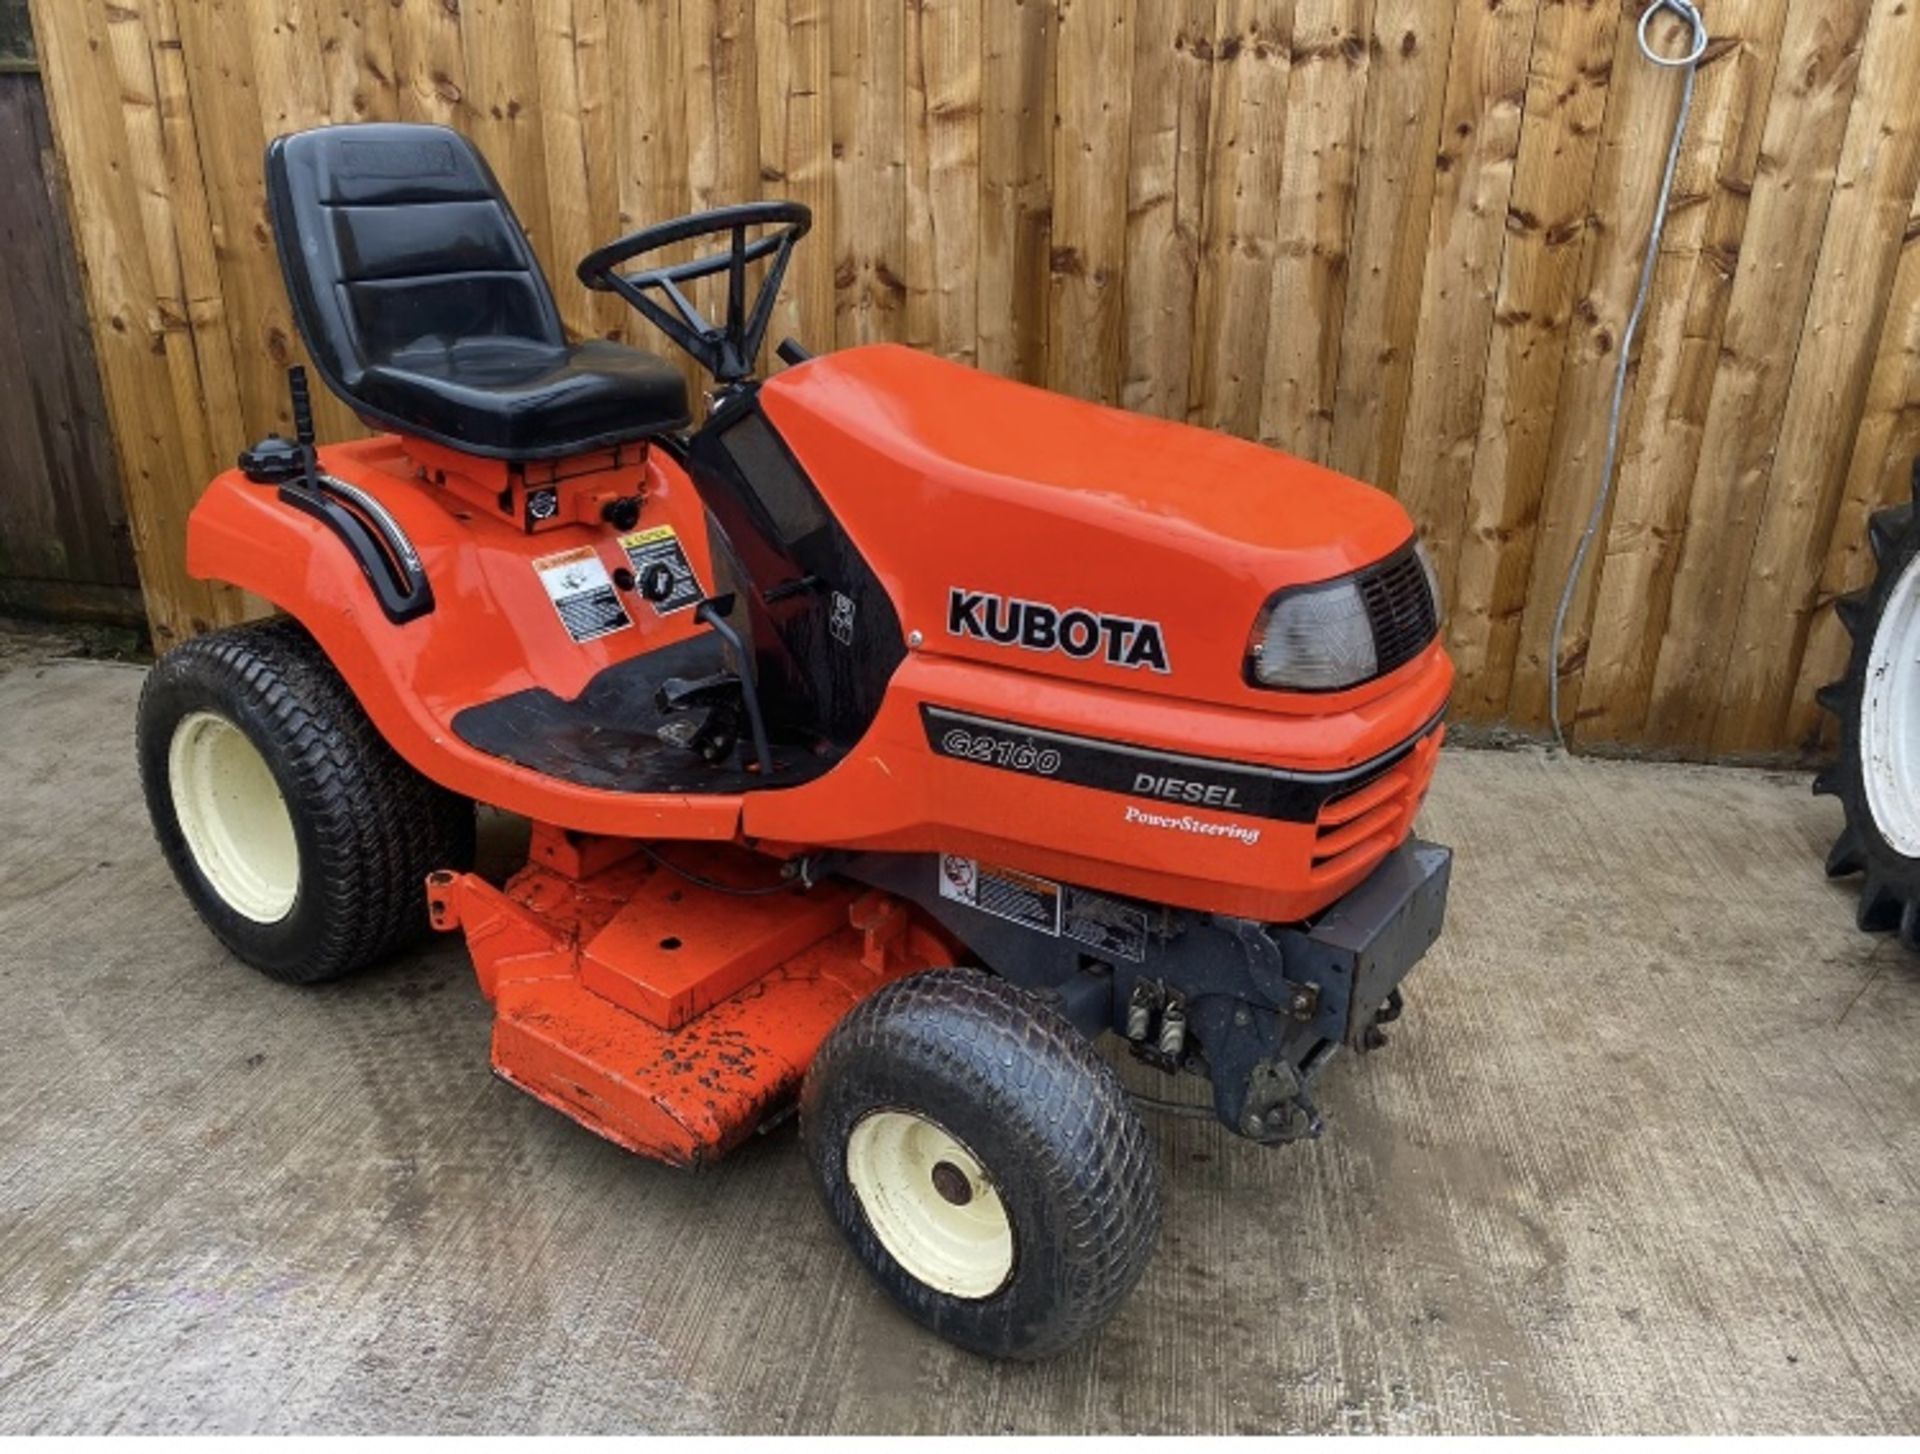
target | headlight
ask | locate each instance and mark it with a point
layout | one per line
(1314, 639)
(1336, 634)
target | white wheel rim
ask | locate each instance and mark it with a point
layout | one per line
(931, 1203)
(1890, 717)
(234, 817)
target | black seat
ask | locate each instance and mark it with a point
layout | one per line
(425, 309)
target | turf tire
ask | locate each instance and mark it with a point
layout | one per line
(367, 827)
(1044, 1116)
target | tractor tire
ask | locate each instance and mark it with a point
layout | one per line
(1876, 775)
(982, 1161)
(300, 836)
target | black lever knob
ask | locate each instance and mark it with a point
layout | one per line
(623, 513)
(657, 582)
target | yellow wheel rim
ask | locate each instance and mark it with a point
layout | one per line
(234, 817)
(931, 1203)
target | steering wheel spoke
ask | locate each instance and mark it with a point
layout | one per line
(727, 352)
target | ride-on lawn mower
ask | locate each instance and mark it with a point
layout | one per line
(886, 739)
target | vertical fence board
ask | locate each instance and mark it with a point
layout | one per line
(1479, 140)
(1392, 205)
(1806, 125)
(1016, 186)
(943, 171)
(1252, 56)
(1567, 90)
(1307, 292)
(1679, 352)
(1166, 162)
(791, 53)
(1094, 84)
(869, 149)
(1859, 256)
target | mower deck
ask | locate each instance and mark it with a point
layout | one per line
(671, 1018)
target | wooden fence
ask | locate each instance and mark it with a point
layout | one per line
(1398, 236)
(63, 530)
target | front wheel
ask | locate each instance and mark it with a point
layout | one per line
(300, 836)
(982, 1161)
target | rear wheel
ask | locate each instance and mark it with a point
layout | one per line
(982, 1161)
(1876, 775)
(297, 832)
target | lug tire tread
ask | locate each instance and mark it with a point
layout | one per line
(1890, 889)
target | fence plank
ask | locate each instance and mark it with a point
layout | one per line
(942, 181)
(1679, 352)
(1247, 136)
(1806, 124)
(792, 66)
(1567, 91)
(1167, 166)
(869, 147)
(1479, 140)
(1086, 332)
(503, 107)
(430, 66)
(1392, 210)
(1016, 186)
(1879, 166)
(1326, 95)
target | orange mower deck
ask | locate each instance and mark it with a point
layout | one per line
(670, 1018)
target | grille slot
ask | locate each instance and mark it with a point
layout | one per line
(1400, 608)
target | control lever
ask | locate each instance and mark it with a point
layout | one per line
(713, 611)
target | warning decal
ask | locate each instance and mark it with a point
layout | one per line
(661, 546)
(582, 592)
(1115, 929)
(1005, 893)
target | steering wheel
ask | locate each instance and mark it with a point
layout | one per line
(726, 351)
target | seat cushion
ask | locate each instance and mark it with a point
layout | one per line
(526, 400)
(424, 308)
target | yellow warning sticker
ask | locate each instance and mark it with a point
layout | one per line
(652, 551)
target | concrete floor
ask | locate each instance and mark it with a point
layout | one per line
(1642, 1156)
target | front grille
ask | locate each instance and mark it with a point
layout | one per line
(1360, 827)
(1400, 607)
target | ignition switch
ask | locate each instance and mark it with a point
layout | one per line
(623, 513)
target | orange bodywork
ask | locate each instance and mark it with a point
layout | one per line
(943, 477)
(670, 1019)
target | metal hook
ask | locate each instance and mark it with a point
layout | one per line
(1684, 12)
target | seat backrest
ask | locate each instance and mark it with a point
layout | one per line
(394, 235)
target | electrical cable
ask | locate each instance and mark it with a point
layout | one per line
(719, 888)
(1690, 63)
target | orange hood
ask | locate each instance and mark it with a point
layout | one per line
(983, 502)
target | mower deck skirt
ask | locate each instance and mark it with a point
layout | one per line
(672, 1019)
